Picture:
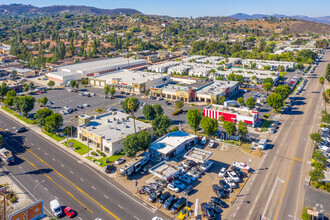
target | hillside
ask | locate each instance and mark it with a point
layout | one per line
(77, 9)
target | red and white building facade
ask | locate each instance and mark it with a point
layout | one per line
(232, 114)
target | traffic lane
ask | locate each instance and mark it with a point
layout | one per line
(90, 176)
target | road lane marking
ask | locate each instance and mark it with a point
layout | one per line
(80, 218)
(46, 154)
(120, 206)
(46, 188)
(38, 148)
(62, 165)
(106, 196)
(82, 179)
(54, 159)
(297, 159)
(20, 166)
(32, 144)
(93, 187)
(71, 172)
(136, 217)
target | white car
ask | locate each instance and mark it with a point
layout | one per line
(194, 174)
(230, 182)
(172, 187)
(211, 143)
(205, 166)
(222, 172)
(86, 105)
(324, 148)
(242, 166)
(234, 176)
(160, 98)
(203, 141)
(157, 218)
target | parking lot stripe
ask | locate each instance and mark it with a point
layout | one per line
(106, 196)
(82, 179)
(93, 187)
(120, 206)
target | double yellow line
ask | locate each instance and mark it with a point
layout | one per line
(60, 176)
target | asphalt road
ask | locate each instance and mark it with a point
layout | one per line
(90, 193)
(275, 190)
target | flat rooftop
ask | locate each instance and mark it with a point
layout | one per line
(114, 126)
(170, 141)
(98, 64)
(164, 169)
(217, 87)
(129, 76)
(231, 110)
(62, 73)
(198, 155)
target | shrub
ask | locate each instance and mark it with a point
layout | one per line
(266, 116)
(323, 125)
(9, 195)
(94, 153)
(317, 184)
(100, 153)
(176, 112)
(13, 199)
(327, 187)
(99, 110)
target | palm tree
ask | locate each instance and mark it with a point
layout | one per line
(321, 81)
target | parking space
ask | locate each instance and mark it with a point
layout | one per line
(223, 156)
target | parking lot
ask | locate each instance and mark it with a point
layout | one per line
(222, 156)
(61, 97)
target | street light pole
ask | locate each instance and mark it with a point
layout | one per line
(88, 146)
(34, 190)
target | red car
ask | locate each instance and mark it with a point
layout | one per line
(69, 212)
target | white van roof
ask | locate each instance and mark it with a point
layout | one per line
(54, 203)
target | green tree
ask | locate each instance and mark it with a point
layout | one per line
(318, 155)
(25, 104)
(31, 85)
(281, 68)
(1, 140)
(148, 112)
(230, 127)
(242, 129)
(194, 117)
(53, 122)
(131, 145)
(316, 174)
(209, 125)
(240, 101)
(130, 106)
(11, 93)
(51, 83)
(158, 110)
(160, 125)
(44, 100)
(3, 90)
(72, 83)
(41, 114)
(9, 102)
(112, 91)
(179, 105)
(145, 139)
(268, 80)
(221, 100)
(321, 81)
(106, 90)
(316, 137)
(267, 86)
(283, 91)
(275, 101)
(76, 85)
(250, 103)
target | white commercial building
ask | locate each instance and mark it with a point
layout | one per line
(63, 77)
(272, 64)
(106, 132)
(172, 144)
(132, 81)
(94, 68)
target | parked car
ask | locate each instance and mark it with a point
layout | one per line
(205, 166)
(207, 211)
(69, 212)
(109, 168)
(204, 140)
(234, 176)
(153, 186)
(154, 196)
(215, 207)
(169, 202)
(188, 189)
(242, 166)
(223, 171)
(164, 197)
(224, 186)
(195, 174)
(190, 177)
(218, 191)
(178, 183)
(146, 189)
(178, 205)
(238, 171)
(79, 106)
(161, 183)
(173, 187)
(219, 202)
(119, 160)
(86, 105)
(188, 164)
(211, 144)
(20, 130)
(159, 98)
(230, 181)
(185, 179)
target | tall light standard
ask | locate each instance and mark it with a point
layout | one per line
(34, 190)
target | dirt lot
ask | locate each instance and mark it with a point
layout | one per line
(223, 156)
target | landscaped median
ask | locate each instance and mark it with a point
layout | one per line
(79, 147)
(26, 120)
(103, 161)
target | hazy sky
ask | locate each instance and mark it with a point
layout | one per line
(197, 8)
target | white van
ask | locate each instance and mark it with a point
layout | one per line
(55, 207)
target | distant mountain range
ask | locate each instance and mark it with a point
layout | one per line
(242, 16)
(78, 9)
